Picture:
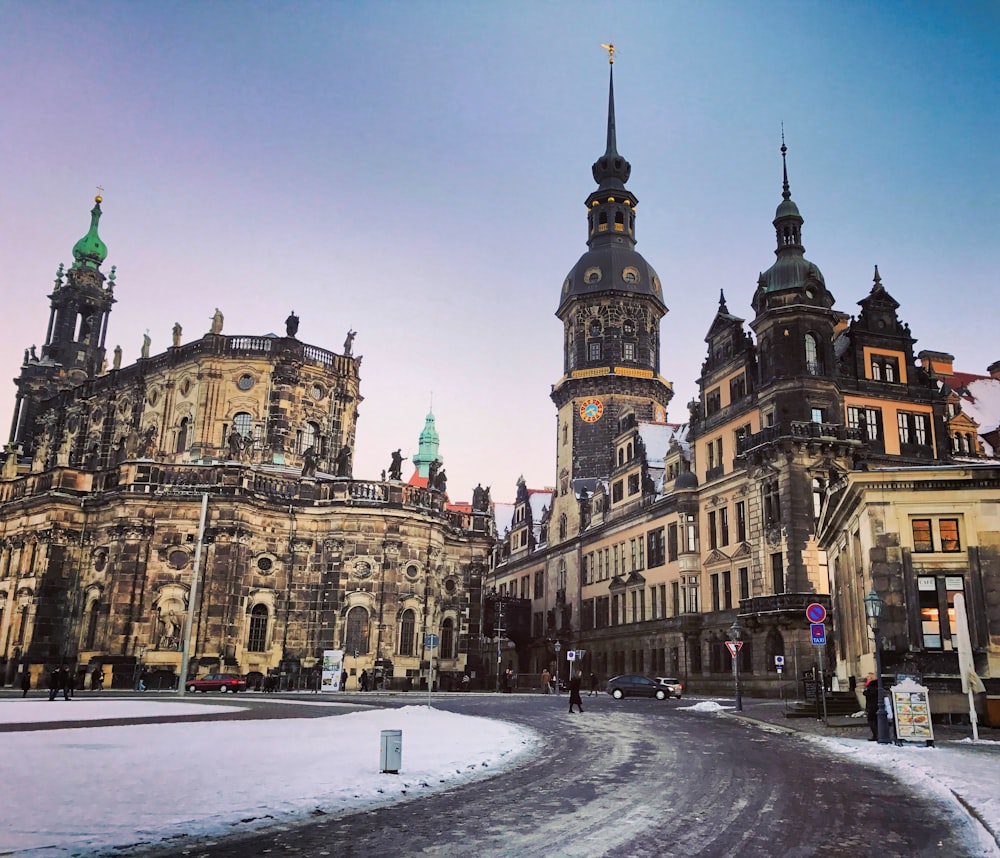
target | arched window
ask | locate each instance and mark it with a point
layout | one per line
(242, 423)
(357, 631)
(407, 626)
(562, 526)
(448, 638)
(890, 371)
(182, 435)
(621, 456)
(257, 635)
(90, 636)
(602, 222)
(812, 354)
(619, 222)
(308, 436)
(876, 371)
(629, 453)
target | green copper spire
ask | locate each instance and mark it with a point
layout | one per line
(90, 251)
(427, 451)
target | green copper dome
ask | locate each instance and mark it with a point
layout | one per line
(90, 251)
(428, 446)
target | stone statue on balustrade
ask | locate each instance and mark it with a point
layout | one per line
(396, 466)
(292, 324)
(309, 462)
(342, 465)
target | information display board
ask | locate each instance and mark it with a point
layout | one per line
(911, 710)
(333, 664)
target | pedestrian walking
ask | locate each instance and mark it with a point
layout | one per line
(343, 680)
(25, 682)
(574, 693)
(55, 682)
(363, 680)
(69, 683)
(97, 679)
(593, 685)
(871, 705)
(546, 680)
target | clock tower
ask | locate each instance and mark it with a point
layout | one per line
(611, 305)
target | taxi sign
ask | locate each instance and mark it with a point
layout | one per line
(818, 633)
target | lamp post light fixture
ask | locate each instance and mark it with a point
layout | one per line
(873, 612)
(735, 630)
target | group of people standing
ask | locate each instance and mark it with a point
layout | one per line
(61, 679)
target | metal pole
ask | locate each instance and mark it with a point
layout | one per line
(883, 721)
(822, 682)
(189, 622)
(736, 680)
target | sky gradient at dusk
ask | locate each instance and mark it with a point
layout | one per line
(418, 171)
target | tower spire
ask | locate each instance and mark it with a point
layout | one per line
(786, 194)
(611, 170)
(612, 149)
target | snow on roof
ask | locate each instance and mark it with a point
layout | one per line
(657, 438)
(503, 515)
(983, 402)
(539, 499)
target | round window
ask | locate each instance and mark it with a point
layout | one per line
(245, 381)
(412, 571)
(362, 569)
(265, 564)
(316, 392)
(178, 559)
(185, 387)
(450, 586)
(100, 561)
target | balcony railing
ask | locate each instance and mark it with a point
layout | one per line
(797, 430)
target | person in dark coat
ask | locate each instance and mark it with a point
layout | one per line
(69, 683)
(343, 680)
(574, 692)
(55, 682)
(25, 682)
(363, 680)
(593, 685)
(871, 705)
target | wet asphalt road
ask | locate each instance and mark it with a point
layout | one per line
(633, 778)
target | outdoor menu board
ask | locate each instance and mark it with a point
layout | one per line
(912, 712)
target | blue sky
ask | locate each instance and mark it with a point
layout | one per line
(417, 171)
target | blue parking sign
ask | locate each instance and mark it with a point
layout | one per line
(818, 632)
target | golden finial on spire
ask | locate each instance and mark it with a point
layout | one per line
(610, 48)
(100, 192)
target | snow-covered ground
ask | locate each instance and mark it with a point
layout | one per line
(203, 778)
(157, 781)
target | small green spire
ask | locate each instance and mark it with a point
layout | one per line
(427, 450)
(90, 251)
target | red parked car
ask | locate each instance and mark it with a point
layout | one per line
(224, 682)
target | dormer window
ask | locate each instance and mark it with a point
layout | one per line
(595, 328)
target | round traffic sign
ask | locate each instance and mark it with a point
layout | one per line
(816, 613)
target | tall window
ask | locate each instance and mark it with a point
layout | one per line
(724, 526)
(744, 573)
(868, 421)
(713, 541)
(672, 542)
(357, 631)
(242, 423)
(91, 634)
(913, 428)
(777, 573)
(257, 636)
(654, 547)
(407, 626)
(937, 610)
(936, 534)
(741, 521)
(594, 350)
(812, 355)
(727, 590)
(308, 436)
(628, 351)
(448, 638)
(182, 435)
(772, 503)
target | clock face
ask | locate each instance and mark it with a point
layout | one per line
(591, 410)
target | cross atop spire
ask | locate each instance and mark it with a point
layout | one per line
(610, 48)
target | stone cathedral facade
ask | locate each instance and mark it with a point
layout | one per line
(100, 509)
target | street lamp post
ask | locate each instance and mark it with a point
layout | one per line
(140, 651)
(558, 650)
(873, 612)
(734, 636)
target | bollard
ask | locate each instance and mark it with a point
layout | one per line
(391, 752)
